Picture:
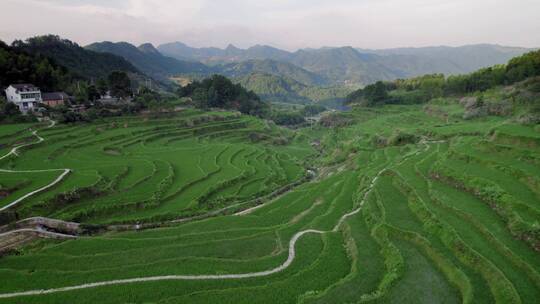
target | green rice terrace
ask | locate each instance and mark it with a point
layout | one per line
(399, 204)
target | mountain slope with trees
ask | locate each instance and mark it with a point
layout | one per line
(17, 67)
(81, 62)
(499, 89)
(219, 92)
(346, 65)
(275, 88)
(148, 60)
(272, 67)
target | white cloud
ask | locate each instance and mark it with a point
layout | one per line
(285, 23)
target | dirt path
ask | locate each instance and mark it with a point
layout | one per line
(285, 265)
(41, 232)
(14, 152)
(40, 139)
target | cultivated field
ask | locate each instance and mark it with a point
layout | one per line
(399, 206)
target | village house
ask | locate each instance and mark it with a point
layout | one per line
(55, 99)
(107, 98)
(26, 96)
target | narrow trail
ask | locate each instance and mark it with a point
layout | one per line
(14, 152)
(285, 265)
(34, 133)
(41, 232)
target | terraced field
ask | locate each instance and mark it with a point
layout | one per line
(129, 170)
(448, 215)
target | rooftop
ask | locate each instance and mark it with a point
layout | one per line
(54, 96)
(25, 87)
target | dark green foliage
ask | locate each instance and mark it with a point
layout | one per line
(83, 63)
(425, 88)
(17, 67)
(284, 89)
(69, 116)
(311, 110)
(147, 96)
(274, 88)
(516, 70)
(101, 86)
(10, 113)
(523, 67)
(288, 118)
(119, 84)
(371, 95)
(337, 119)
(148, 60)
(271, 67)
(219, 92)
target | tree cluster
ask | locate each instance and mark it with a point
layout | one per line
(83, 63)
(287, 118)
(311, 110)
(424, 88)
(9, 113)
(17, 67)
(219, 92)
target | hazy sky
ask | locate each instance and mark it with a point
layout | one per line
(288, 24)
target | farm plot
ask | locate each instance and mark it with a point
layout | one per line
(126, 170)
(443, 216)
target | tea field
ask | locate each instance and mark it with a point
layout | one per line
(398, 205)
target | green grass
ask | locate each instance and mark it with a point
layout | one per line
(420, 237)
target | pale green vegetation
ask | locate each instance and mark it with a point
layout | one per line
(453, 218)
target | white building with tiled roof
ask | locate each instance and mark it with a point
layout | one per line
(26, 96)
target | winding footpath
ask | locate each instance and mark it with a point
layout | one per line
(285, 265)
(282, 267)
(13, 151)
(39, 231)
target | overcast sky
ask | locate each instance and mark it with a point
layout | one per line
(289, 24)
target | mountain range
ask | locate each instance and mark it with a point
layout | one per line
(353, 66)
(81, 62)
(323, 74)
(149, 60)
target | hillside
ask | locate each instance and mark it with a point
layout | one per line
(427, 87)
(81, 62)
(272, 67)
(275, 88)
(213, 55)
(20, 67)
(148, 60)
(346, 65)
(426, 191)
(448, 60)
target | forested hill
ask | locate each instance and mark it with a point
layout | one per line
(275, 88)
(219, 92)
(19, 67)
(347, 65)
(428, 87)
(447, 60)
(81, 62)
(149, 60)
(272, 67)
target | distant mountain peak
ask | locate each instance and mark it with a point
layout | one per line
(231, 47)
(148, 48)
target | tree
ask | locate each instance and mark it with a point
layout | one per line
(311, 110)
(93, 93)
(119, 84)
(219, 92)
(372, 94)
(101, 86)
